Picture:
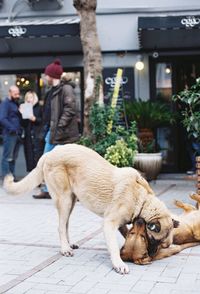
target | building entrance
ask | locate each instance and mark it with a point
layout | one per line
(173, 75)
(185, 75)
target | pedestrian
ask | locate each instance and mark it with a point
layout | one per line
(32, 123)
(68, 79)
(60, 119)
(193, 149)
(10, 119)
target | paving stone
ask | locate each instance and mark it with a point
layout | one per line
(29, 247)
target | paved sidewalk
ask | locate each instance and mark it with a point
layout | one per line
(30, 261)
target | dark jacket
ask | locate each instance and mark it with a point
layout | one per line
(10, 117)
(63, 124)
(33, 145)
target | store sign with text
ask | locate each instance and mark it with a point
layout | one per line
(126, 90)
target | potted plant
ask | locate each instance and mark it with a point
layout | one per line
(149, 160)
(148, 115)
(189, 101)
(189, 105)
(118, 145)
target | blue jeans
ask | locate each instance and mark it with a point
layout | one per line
(11, 144)
(47, 147)
(194, 150)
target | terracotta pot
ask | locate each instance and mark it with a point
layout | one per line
(148, 163)
(146, 136)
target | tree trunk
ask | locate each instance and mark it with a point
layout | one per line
(92, 57)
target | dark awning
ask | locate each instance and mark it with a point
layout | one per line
(40, 36)
(171, 32)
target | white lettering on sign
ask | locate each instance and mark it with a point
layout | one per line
(190, 21)
(112, 81)
(17, 31)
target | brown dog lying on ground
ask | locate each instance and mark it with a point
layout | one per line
(119, 195)
(187, 234)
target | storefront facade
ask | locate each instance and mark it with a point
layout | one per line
(163, 34)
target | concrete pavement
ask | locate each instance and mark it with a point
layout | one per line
(30, 261)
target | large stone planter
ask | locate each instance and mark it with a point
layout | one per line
(149, 163)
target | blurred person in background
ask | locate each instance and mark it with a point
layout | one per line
(32, 123)
(10, 120)
(60, 118)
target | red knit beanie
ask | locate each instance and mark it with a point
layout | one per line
(54, 70)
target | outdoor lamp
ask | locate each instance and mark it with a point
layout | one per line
(168, 69)
(139, 64)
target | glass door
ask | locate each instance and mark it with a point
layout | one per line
(170, 75)
(185, 74)
(163, 81)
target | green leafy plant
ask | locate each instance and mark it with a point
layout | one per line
(148, 114)
(150, 147)
(99, 118)
(102, 137)
(120, 154)
(189, 101)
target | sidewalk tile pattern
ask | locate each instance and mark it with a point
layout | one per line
(30, 261)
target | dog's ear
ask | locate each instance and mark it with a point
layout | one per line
(175, 223)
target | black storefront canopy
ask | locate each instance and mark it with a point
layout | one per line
(171, 32)
(40, 36)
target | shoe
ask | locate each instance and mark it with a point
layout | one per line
(42, 195)
(191, 177)
(190, 172)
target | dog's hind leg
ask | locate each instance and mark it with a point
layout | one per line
(196, 197)
(65, 206)
(185, 206)
(59, 188)
(173, 249)
(73, 246)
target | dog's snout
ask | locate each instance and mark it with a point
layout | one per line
(122, 249)
(140, 222)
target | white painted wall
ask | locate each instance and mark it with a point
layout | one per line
(116, 19)
(107, 4)
(117, 30)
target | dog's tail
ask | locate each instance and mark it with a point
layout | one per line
(28, 183)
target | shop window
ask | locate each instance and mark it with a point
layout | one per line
(1, 3)
(164, 81)
(164, 94)
(37, 82)
(25, 82)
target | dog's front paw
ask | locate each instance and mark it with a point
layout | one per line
(74, 246)
(143, 261)
(67, 252)
(121, 268)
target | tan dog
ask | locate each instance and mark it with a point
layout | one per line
(187, 234)
(119, 195)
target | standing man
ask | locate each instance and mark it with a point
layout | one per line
(60, 117)
(10, 119)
